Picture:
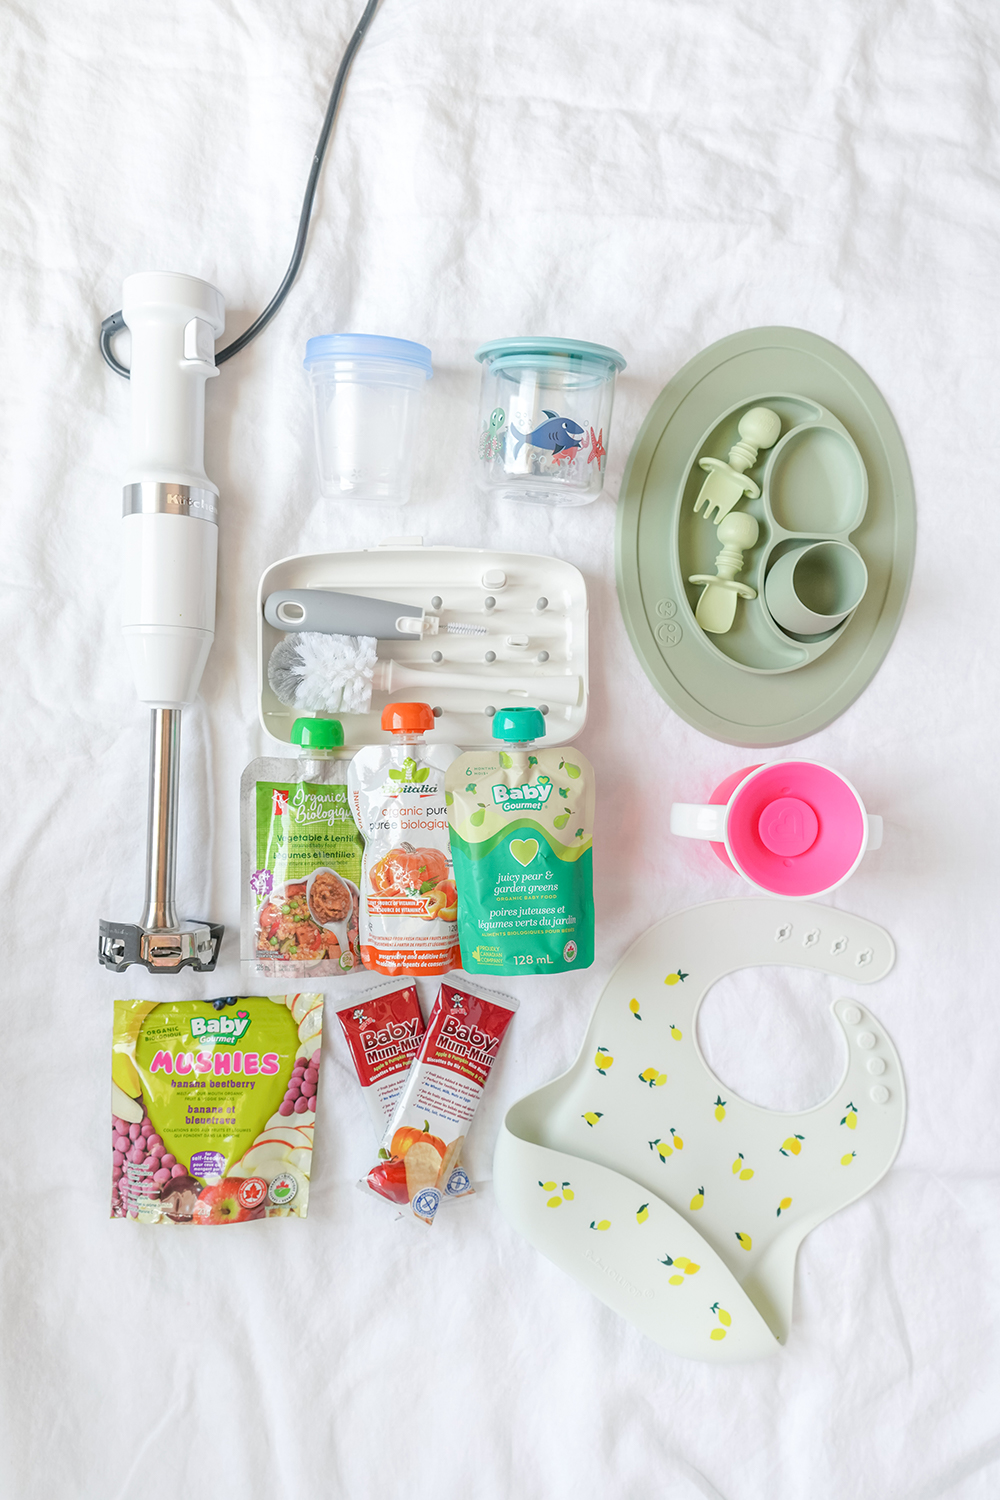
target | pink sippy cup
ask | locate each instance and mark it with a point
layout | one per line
(793, 828)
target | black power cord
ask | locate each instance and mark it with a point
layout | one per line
(115, 322)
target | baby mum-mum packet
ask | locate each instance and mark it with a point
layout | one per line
(407, 891)
(212, 1108)
(522, 824)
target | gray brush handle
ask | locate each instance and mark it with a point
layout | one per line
(339, 614)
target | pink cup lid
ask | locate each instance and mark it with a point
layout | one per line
(795, 828)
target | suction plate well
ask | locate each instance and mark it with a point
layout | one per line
(756, 685)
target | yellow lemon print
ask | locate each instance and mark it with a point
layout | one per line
(553, 1203)
(682, 1261)
(600, 1223)
(746, 1243)
(691, 1268)
(737, 1164)
(642, 1214)
(724, 1319)
(568, 1192)
(851, 1117)
(647, 1075)
(677, 978)
(603, 1060)
(792, 1146)
(746, 1174)
(548, 1187)
(676, 1032)
(592, 1116)
(698, 1201)
(785, 1203)
(845, 1161)
(676, 1280)
(720, 1108)
(659, 1080)
(633, 1006)
(675, 1140)
(717, 1333)
(661, 1148)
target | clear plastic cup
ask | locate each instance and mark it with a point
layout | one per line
(545, 418)
(367, 393)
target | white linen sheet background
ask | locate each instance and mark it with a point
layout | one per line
(649, 175)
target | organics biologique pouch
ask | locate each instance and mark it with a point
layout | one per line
(212, 1108)
(301, 860)
(522, 822)
(408, 893)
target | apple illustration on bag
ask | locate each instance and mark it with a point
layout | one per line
(220, 1204)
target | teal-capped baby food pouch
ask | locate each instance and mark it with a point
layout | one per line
(521, 820)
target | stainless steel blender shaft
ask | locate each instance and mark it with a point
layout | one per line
(161, 824)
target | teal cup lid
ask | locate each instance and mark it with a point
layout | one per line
(534, 348)
(318, 734)
(367, 346)
(518, 724)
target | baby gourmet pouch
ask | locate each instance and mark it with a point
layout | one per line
(212, 1108)
(522, 822)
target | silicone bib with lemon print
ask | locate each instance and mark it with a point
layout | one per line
(642, 1175)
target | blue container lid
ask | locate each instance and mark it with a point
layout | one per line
(518, 724)
(536, 346)
(368, 346)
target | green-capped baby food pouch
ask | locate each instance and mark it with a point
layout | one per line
(212, 1108)
(521, 821)
(301, 860)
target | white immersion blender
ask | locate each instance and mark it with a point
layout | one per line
(170, 514)
(171, 544)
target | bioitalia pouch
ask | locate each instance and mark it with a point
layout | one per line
(301, 860)
(212, 1108)
(407, 892)
(521, 820)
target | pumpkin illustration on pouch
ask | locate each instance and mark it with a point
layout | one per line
(409, 904)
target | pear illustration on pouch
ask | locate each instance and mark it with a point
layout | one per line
(571, 770)
(479, 816)
(603, 1061)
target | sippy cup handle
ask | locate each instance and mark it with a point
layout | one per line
(693, 820)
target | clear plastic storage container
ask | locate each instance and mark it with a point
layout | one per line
(367, 393)
(545, 418)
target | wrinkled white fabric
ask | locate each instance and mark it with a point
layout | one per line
(649, 175)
